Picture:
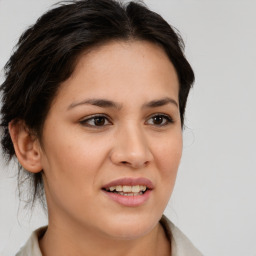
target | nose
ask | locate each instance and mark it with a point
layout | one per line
(131, 148)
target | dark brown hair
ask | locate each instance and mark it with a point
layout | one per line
(46, 55)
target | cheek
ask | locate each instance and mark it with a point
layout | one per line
(168, 154)
(167, 159)
(71, 168)
(74, 160)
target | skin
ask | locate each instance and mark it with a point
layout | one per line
(79, 158)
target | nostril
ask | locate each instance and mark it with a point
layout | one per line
(146, 163)
(135, 164)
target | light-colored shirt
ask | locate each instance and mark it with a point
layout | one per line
(180, 244)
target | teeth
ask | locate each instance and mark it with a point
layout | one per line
(143, 188)
(119, 188)
(136, 189)
(130, 194)
(128, 189)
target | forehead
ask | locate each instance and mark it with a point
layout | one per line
(121, 70)
(129, 55)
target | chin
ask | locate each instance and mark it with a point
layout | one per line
(129, 228)
(130, 233)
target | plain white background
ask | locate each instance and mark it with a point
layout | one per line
(214, 198)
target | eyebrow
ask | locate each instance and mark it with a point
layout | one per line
(103, 103)
(160, 103)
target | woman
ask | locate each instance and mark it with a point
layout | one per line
(93, 109)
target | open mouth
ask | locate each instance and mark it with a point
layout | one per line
(126, 190)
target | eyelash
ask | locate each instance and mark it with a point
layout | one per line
(85, 122)
(168, 119)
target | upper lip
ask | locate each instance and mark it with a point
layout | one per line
(130, 182)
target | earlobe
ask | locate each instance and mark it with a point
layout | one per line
(26, 146)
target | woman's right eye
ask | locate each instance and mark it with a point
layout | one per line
(95, 121)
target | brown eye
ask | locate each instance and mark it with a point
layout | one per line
(159, 120)
(99, 121)
(95, 121)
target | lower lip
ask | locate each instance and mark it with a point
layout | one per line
(130, 201)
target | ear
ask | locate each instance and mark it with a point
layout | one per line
(26, 146)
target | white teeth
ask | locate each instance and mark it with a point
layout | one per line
(136, 189)
(119, 188)
(128, 189)
(143, 188)
(130, 194)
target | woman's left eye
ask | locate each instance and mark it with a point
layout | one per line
(159, 120)
(95, 121)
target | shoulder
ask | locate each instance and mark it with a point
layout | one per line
(181, 245)
(31, 248)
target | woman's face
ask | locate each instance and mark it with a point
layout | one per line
(113, 131)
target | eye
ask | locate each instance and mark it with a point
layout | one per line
(95, 121)
(159, 120)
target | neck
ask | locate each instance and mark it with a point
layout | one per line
(77, 241)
